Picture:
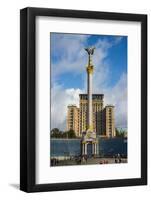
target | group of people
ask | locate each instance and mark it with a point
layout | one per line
(118, 158)
(104, 162)
(54, 162)
(81, 159)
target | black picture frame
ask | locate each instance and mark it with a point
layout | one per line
(28, 99)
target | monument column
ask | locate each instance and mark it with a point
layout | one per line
(89, 89)
(90, 135)
(89, 92)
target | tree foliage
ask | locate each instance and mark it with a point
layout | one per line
(120, 133)
(56, 133)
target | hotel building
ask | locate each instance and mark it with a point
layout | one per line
(73, 119)
(109, 121)
(103, 117)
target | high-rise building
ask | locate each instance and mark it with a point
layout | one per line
(97, 108)
(103, 117)
(109, 121)
(73, 119)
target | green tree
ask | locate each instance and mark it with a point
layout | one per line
(117, 132)
(55, 133)
(69, 134)
(120, 133)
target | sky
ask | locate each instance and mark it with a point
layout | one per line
(68, 61)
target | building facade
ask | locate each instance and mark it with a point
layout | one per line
(103, 117)
(109, 121)
(97, 108)
(73, 119)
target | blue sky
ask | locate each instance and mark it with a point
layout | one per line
(68, 72)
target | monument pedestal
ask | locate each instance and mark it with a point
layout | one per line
(90, 138)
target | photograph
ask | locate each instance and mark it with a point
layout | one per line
(83, 99)
(88, 99)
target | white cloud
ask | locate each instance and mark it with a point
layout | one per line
(71, 51)
(118, 97)
(60, 99)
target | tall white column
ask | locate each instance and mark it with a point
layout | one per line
(89, 128)
(89, 92)
(90, 67)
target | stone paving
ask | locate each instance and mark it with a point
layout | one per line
(90, 161)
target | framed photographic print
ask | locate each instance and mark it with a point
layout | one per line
(83, 99)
